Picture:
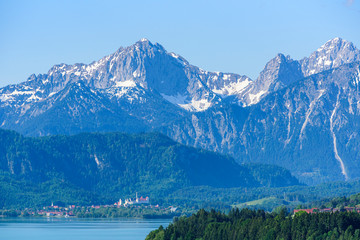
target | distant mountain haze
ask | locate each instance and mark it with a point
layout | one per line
(299, 114)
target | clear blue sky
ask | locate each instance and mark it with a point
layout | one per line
(229, 36)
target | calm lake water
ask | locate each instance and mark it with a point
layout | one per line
(79, 229)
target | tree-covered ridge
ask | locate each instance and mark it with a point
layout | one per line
(338, 202)
(256, 225)
(94, 167)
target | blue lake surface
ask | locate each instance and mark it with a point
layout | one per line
(79, 229)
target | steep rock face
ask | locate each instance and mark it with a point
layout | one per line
(218, 128)
(310, 127)
(279, 72)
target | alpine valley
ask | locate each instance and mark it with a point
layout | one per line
(303, 115)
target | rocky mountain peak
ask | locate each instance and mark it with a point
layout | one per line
(335, 43)
(278, 73)
(333, 53)
(145, 46)
(338, 48)
(282, 71)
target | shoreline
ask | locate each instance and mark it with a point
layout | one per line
(75, 217)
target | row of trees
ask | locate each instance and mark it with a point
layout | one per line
(139, 212)
(250, 224)
(338, 202)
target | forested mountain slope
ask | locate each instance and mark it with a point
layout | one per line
(114, 165)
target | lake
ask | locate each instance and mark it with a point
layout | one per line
(79, 229)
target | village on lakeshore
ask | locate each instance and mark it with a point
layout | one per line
(131, 205)
(70, 211)
(129, 201)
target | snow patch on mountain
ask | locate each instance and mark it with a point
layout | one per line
(191, 105)
(255, 98)
(232, 88)
(127, 83)
(197, 105)
(177, 100)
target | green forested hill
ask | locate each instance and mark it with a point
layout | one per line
(337, 202)
(255, 225)
(98, 168)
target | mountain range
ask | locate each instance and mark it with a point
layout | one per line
(299, 114)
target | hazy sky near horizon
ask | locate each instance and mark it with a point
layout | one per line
(227, 36)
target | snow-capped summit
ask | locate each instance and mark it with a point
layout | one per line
(144, 68)
(332, 54)
(282, 71)
(147, 66)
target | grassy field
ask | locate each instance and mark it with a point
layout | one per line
(268, 203)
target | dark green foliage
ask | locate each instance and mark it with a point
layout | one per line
(338, 202)
(137, 212)
(271, 175)
(292, 196)
(255, 225)
(100, 168)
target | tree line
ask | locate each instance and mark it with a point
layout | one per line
(258, 224)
